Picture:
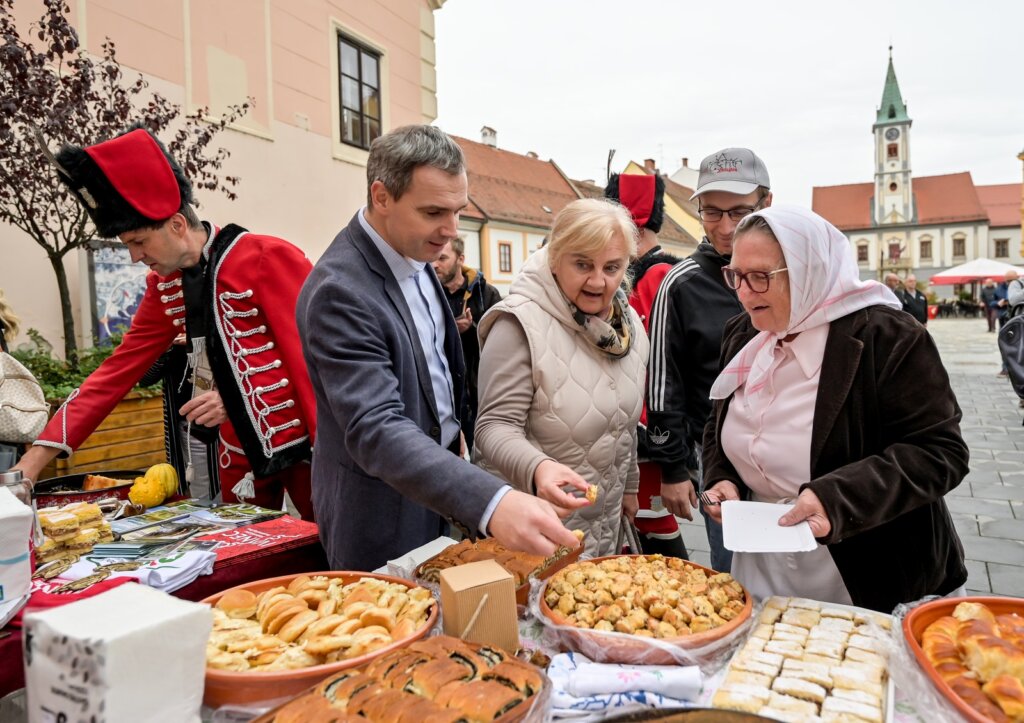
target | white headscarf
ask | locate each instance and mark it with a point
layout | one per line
(824, 285)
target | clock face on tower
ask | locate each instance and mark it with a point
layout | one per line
(892, 134)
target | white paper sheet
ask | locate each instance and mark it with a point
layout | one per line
(754, 527)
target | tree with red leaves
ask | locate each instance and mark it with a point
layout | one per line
(50, 86)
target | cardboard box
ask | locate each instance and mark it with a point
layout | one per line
(462, 590)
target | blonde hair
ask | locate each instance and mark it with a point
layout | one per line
(11, 322)
(587, 226)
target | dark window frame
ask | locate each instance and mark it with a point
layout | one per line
(926, 248)
(504, 257)
(1002, 244)
(892, 151)
(862, 253)
(962, 244)
(370, 126)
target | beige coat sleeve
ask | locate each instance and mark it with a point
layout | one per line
(505, 388)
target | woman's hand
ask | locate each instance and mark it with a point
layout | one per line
(720, 492)
(808, 507)
(550, 477)
(630, 505)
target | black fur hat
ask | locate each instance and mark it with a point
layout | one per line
(126, 183)
(643, 195)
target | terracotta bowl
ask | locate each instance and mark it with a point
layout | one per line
(224, 687)
(623, 648)
(915, 623)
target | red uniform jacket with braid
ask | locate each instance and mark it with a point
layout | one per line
(251, 286)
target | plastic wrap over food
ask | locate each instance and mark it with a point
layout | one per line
(709, 652)
(910, 678)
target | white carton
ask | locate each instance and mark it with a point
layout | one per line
(129, 654)
(15, 531)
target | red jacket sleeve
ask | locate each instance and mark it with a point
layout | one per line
(642, 298)
(151, 333)
(283, 271)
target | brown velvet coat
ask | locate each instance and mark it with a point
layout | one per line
(885, 449)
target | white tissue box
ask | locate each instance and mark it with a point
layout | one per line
(15, 531)
(129, 654)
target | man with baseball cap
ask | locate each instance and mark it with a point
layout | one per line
(687, 320)
(231, 291)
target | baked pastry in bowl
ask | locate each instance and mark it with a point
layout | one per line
(276, 637)
(643, 597)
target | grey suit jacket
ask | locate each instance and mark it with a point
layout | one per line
(381, 480)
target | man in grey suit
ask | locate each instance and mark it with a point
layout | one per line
(386, 364)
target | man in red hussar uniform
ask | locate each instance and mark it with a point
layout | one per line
(644, 197)
(231, 291)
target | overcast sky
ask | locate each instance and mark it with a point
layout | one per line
(798, 82)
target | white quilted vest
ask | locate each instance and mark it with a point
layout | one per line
(586, 404)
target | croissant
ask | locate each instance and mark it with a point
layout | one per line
(972, 696)
(973, 611)
(1008, 693)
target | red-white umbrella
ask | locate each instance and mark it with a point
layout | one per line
(976, 270)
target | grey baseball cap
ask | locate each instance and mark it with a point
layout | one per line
(733, 170)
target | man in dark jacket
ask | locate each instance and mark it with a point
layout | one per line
(469, 296)
(914, 302)
(689, 314)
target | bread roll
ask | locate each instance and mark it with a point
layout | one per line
(240, 604)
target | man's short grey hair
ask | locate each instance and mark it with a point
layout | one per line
(395, 155)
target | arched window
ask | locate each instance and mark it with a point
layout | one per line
(959, 245)
(926, 247)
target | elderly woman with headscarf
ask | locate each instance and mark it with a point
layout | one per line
(834, 398)
(562, 366)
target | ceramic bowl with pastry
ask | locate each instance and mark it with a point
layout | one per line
(440, 679)
(523, 566)
(972, 650)
(644, 597)
(274, 638)
(87, 487)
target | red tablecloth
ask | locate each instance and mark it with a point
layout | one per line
(305, 558)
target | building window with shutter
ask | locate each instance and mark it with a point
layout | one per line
(1002, 248)
(505, 258)
(862, 253)
(959, 246)
(926, 248)
(359, 81)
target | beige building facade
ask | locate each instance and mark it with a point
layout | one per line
(324, 78)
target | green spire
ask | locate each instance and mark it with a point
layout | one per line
(893, 109)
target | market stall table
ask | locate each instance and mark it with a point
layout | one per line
(307, 557)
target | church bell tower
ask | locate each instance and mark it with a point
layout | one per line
(894, 198)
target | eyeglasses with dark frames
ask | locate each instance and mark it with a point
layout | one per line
(710, 213)
(757, 281)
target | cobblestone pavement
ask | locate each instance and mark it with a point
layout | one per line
(988, 506)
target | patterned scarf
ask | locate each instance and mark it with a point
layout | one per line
(613, 335)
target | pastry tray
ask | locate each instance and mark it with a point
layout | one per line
(522, 591)
(889, 687)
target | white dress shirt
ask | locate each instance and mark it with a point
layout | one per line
(428, 309)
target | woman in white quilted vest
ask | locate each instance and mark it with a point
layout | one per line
(562, 368)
